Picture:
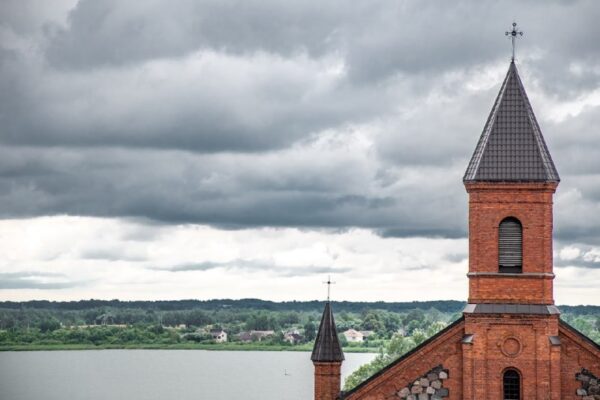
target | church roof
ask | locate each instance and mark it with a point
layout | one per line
(327, 346)
(458, 324)
(511, 147)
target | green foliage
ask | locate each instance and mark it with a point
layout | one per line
(372, 321)
(49, 325)
(419, 336)
(310, 330)
(399, 345)
(110, 324)
(395, 348)
(262, 321)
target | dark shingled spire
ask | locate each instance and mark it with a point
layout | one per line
(327, 346)
(511, 147)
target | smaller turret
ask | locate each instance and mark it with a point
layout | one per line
(327, 357)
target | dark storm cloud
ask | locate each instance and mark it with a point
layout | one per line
(35, 280)
(266, 113)
(224, 191)
(218, 104)
(255, 266)
(378, 36)
(123, 52)
(113, 32)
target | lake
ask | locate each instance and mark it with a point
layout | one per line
(161, 374)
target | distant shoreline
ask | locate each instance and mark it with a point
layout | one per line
(182, 346)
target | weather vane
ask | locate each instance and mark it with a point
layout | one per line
(329, 283)
(513, 35)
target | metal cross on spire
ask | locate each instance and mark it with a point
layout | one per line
(513, 35)
(329, 283)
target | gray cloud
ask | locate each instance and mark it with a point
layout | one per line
(378, 38)
(329, 115)
(111, 32)
(225, 191)
(35, 280)
(581, 255)
(255, 266)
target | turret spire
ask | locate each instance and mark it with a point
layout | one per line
(327, 345)
(511, 147)
(327, 357)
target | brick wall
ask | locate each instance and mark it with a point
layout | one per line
(444, 350)
(576, 353)
(511, 341)
(327, 380)
(489, 204)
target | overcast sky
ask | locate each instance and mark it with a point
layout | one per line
(172, 149)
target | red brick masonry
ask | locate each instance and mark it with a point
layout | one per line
(475, 369)
(477, 349)
(489, 204)
(327, 380)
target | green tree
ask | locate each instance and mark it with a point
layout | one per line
(310, 330)
(49, 325)
(414, 315)
(372, 322)
(419, 336)
(396, 347)
(399, 345)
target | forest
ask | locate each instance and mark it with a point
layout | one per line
(189, 323)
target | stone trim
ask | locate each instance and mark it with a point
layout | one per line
(540, 275)
(511, 308)
(590, 385)
(429, 386)
(421, 350)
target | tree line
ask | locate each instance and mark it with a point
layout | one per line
(114, 322)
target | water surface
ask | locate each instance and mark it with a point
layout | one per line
(161, 374)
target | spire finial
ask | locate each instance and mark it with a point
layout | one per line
(329, 283)
(513, 35)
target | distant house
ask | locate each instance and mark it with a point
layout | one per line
(293, 337)
(254, 336)
(218, 335)
(367, 334)
(353, 336)
(245, 337)
(260, 335)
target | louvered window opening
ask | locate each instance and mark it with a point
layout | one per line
(512, 385)
(510, 246)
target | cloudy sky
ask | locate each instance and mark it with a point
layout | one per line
(172, 149)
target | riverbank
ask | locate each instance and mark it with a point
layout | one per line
(176, 346)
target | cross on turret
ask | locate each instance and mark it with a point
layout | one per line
(329, 283)
(513, 34)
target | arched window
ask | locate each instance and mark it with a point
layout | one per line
(510, 246)
(512, 385)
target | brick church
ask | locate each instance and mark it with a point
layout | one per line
(510, 343)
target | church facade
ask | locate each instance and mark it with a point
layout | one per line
(510, 343)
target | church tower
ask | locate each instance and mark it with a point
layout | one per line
(511, 180)
(511, 323)
(327, 357)
(510, 343)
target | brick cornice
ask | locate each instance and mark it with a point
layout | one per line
(523, 275)
(511, 186)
